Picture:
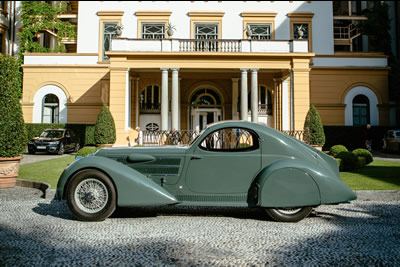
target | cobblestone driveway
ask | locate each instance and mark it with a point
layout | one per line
(42, 232)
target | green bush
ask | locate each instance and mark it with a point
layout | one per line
(104, 132)
(361, 152)
(335, 150)
(340, 164)
(349, 161)
(12, 127)
(361, 162)
(313, 129)
(84, 152)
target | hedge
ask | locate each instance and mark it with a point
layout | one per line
(352, 137)
(85, 132)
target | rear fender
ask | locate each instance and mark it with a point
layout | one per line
(286, 184)
(133, 188)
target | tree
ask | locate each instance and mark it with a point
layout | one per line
(12, 126)
(313, 128)
(104, 132)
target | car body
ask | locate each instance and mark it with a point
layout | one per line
(391, 141)
(232, 163)
(55, 141)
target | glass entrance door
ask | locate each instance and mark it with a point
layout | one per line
(203, 117)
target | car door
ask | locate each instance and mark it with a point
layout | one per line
(225, 162)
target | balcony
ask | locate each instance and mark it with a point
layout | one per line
(209, 45)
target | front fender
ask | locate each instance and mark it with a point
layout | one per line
(133, 188)
(286, 184)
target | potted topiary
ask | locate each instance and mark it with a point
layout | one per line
(313, 130)
(104, 131)
(12, 126)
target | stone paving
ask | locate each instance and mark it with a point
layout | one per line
(42, 232)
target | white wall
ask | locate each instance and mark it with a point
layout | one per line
(322, 28)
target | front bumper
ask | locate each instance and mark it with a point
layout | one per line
(43, 148)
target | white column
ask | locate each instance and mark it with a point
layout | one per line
(291, 100)
(254, 95)
(285, 105)
(127, 101)
(137, 100)
(243, 98)
(164, 99)
(174, 100)
(235, 94)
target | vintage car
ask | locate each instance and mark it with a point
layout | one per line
(391, 141)
(55, 141)
(232, 163)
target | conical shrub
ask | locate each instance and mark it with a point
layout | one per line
(313, 129)
(104, 132)
(12, 127)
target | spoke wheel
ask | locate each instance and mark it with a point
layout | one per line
(91, 196)
(288, 214)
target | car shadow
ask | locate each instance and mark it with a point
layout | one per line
(233, 212)
(55, 208)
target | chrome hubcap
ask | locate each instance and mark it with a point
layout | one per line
(91, 195)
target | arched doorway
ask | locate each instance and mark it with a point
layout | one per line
(50, 105)
(205, 108)
(361, 107)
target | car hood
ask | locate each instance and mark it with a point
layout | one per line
(45, 139)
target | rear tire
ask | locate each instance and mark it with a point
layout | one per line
(91, 196)
(288, 214)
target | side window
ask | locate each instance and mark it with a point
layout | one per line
(230, 140)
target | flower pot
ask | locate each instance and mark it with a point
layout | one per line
(170, 32)
(9, 171)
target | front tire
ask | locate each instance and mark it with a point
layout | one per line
(288, 214)
(91, 196)
(61, 149)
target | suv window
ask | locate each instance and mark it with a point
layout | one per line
(230, 140)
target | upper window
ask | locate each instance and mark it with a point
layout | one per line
(150, 99)
(50, 109)
(206, 31)
(153, 30)
(361, 110)
(109, 31)
(230, 140)
(2, 5)
(300, 31)
(205, 98)
(260, 31)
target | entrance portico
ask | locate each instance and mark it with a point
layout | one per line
(284, 76)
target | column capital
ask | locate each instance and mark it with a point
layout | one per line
(254, 70)
(164, 69)
(136, 78)
(174, 69)
(235, 79)
(244, 70)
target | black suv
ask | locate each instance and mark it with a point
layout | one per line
(55, 141)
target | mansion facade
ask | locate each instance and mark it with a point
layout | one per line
(165, 65)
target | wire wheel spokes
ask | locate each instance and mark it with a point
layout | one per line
(91, 195)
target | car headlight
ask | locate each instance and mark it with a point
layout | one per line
(31, 142)
(54, 143)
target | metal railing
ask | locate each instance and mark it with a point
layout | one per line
(349, 32)
(159, 138)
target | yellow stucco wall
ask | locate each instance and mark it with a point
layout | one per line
(330, 86)
(86, 88)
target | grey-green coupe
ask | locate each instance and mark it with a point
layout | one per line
(232, 163)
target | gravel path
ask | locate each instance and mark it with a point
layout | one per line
(42, 232)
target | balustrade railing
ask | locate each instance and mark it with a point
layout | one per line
(209, 45)
(159, 138)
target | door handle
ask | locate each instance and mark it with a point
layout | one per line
(196, 157)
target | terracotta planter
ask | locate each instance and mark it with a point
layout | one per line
(317, 147)
(9, 171)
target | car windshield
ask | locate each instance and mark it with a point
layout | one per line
(52, 134)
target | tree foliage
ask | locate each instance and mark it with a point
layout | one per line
(39, 16)
(12, 126)
(104, 132)
(313, 129)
